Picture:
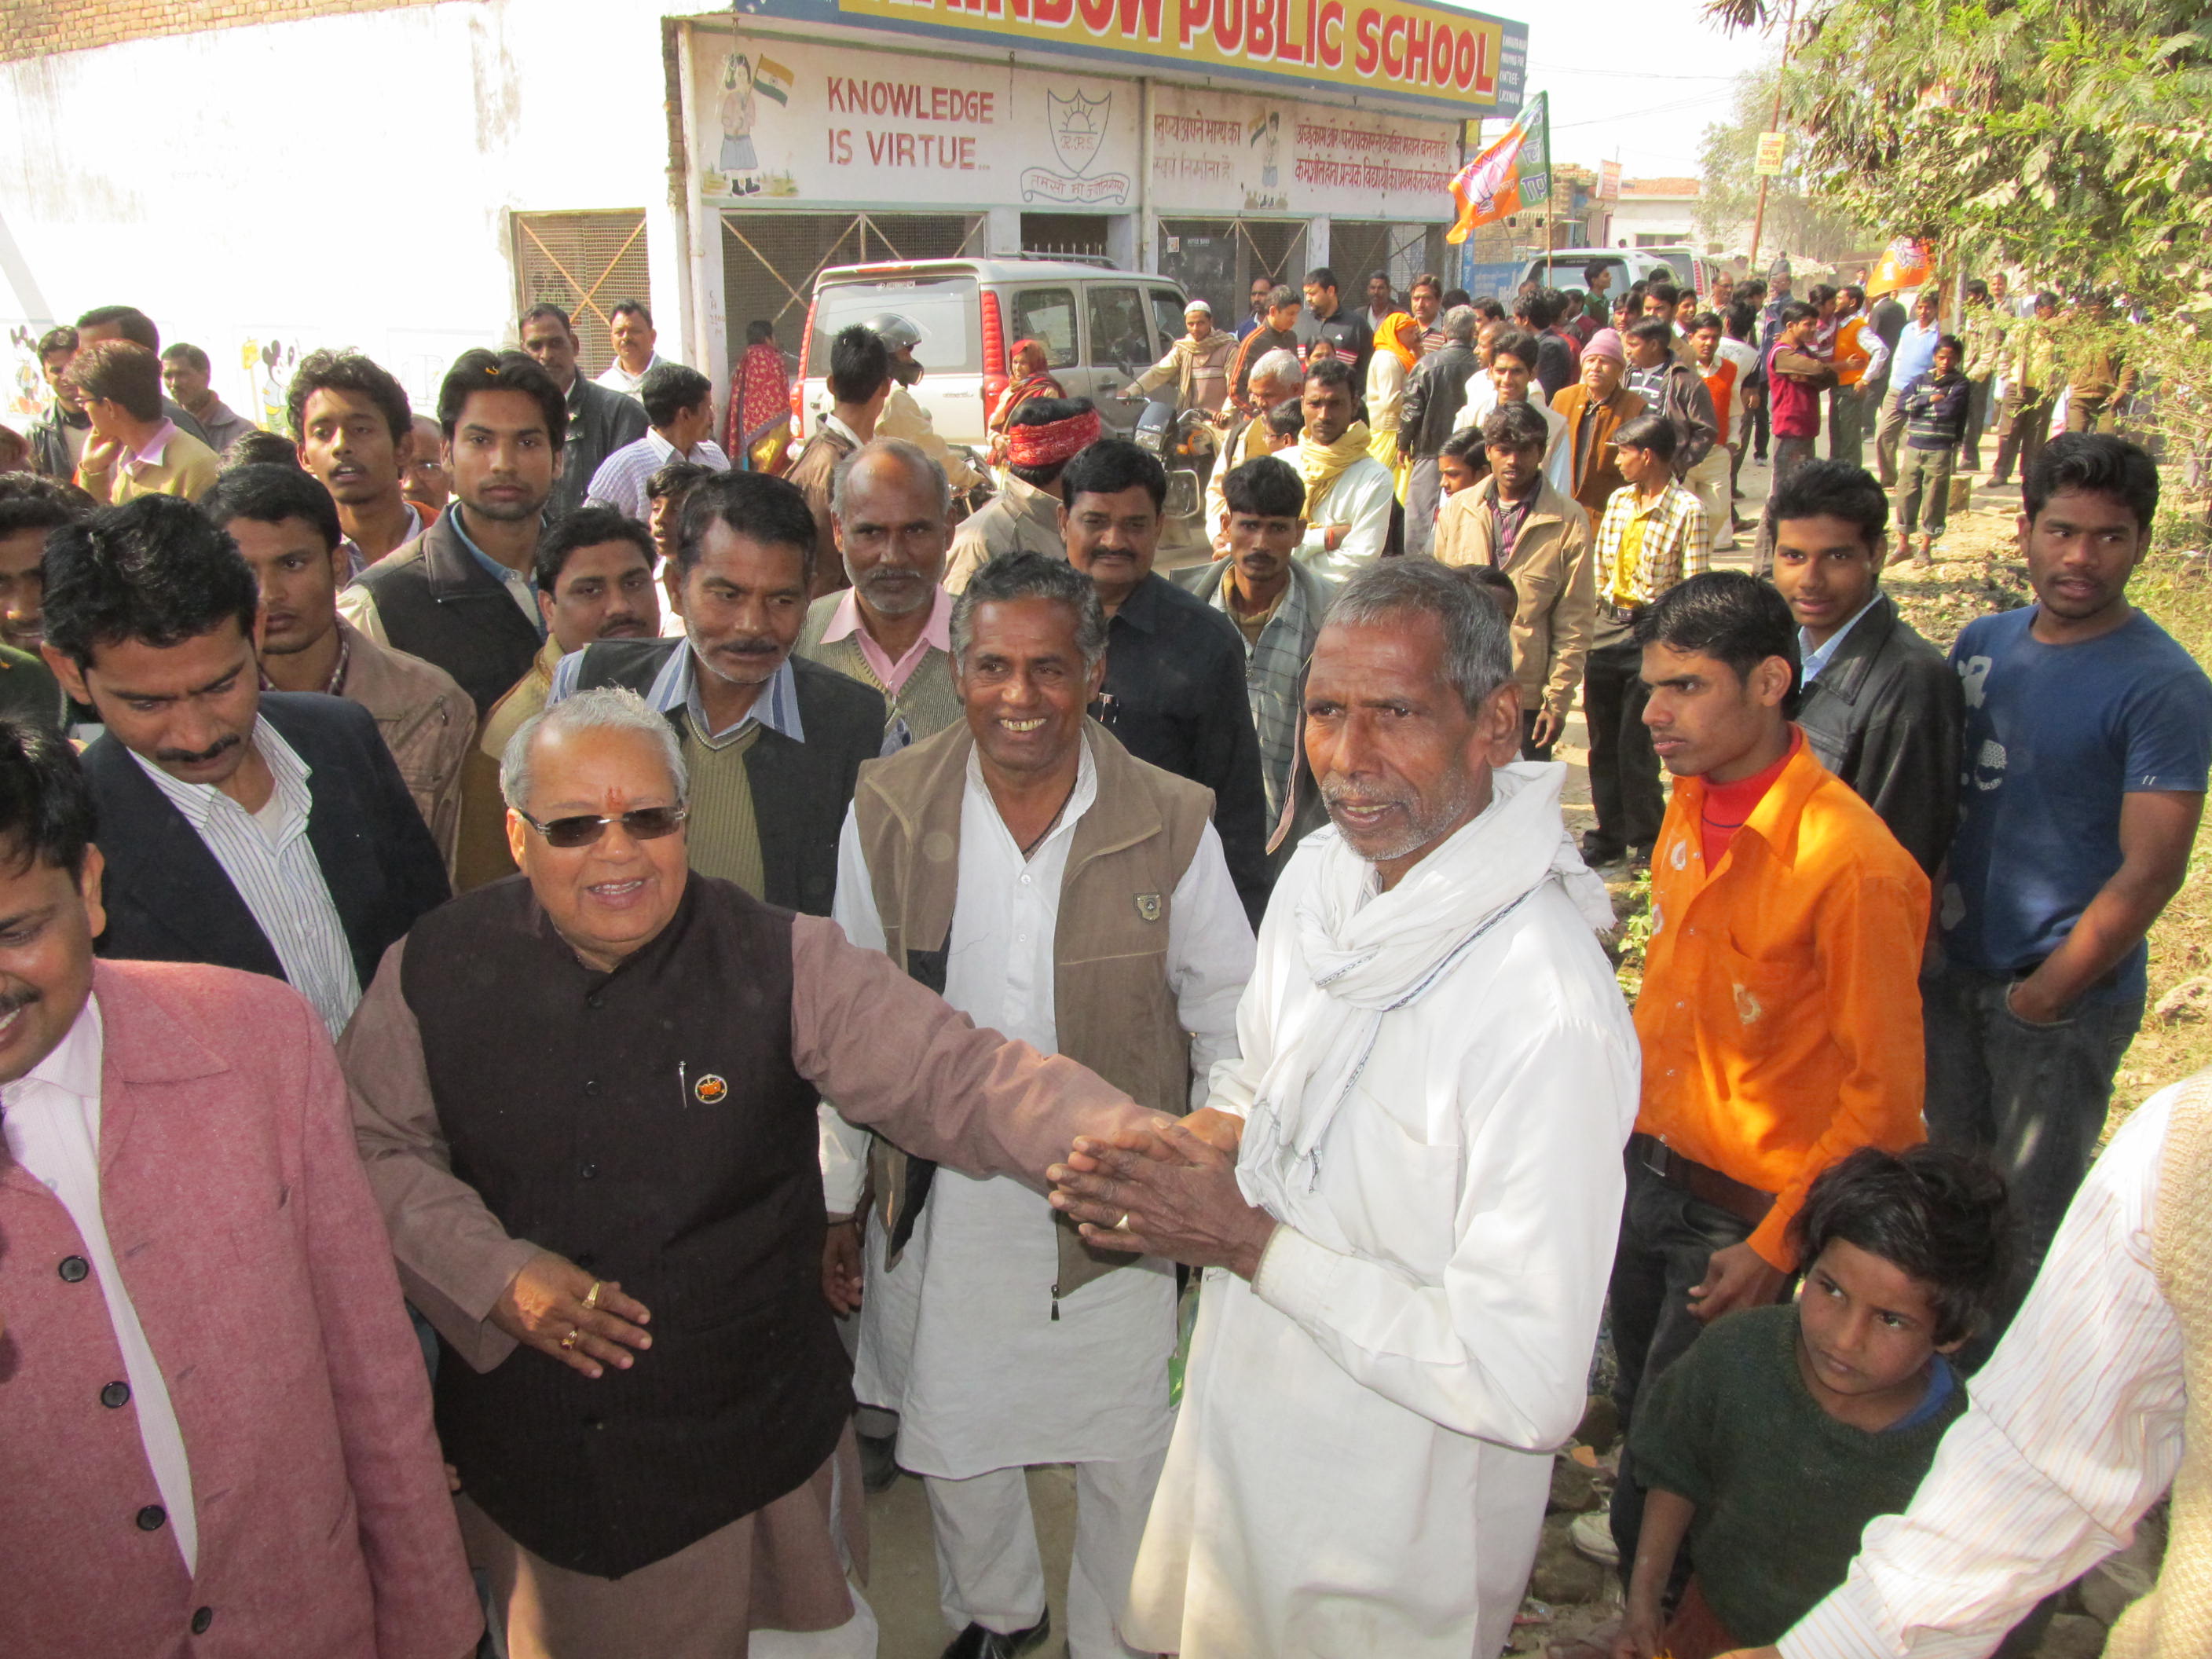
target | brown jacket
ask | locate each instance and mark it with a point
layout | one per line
(1553, 573)
(1596, 467)
(1112, 1008)
(811, 473)
(426, 720)
(484, 855)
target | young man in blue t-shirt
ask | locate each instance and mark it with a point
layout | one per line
(2089, 733)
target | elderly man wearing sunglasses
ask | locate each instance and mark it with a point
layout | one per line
(587, 1103)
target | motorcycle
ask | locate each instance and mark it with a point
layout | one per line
(1187, 444)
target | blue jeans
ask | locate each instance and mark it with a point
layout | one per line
(2033, 1097)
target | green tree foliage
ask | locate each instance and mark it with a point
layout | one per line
(1799, 218)
(2073, 136)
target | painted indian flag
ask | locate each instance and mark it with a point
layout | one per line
(773, 79)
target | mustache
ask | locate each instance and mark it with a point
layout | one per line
(12, 1002)
(750, 645)
(191, 757)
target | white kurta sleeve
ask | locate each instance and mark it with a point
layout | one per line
(1500, 1349)
(845, 1149)
(1209, 960)
(2074, 1431)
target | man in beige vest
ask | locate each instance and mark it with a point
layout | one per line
(2089, 1409)
(1517, 521)
(1053, 889)
(892, 629)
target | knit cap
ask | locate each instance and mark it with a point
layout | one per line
(1606, 343)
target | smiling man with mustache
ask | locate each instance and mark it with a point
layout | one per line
(269, 832)
(772, 744)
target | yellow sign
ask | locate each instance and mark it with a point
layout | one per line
(1768, 162)
(1400, 46)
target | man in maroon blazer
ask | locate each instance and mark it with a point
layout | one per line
(214, 1426)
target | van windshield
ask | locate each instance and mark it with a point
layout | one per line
(945, 309)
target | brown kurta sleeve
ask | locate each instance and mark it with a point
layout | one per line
(896, 1057)
(454, 1258)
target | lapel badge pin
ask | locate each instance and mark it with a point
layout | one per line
(710, 1089)
(1148, 906)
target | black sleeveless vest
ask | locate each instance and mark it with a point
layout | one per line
(437, 603)
(648, 1125)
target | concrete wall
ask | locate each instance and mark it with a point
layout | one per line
(345, 179)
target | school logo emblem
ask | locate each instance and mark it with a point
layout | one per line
(710, 1090)
(1148, 906)
(1079, 127)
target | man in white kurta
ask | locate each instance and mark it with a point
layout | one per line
(1438, 1073)
(968, 1336)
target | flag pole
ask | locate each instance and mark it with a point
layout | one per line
(1782, 70)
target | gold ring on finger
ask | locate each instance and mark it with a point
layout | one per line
(576, 1333)
(1122, 1226)
(592, 1296)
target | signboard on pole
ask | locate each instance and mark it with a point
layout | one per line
(1608, 181)
(1767, 164)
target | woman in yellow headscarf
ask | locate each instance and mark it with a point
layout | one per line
(1397, 344)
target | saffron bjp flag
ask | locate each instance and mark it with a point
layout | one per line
(1906, 262)
(1513, 175)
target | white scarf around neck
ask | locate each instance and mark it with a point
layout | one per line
(1369, 954)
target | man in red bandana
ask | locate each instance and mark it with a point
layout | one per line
(1042, 436)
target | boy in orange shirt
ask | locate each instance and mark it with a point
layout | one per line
(1780, 1012)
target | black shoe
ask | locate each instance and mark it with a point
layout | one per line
(879, 1469)
(1598, 852)
(1639, 855)
(976, 1643)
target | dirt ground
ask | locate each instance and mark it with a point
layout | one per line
(1977, 570)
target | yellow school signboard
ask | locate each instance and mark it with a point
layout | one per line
(1436, 56)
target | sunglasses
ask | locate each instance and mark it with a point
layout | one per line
(644, 824)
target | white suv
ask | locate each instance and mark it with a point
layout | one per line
(1101, 329)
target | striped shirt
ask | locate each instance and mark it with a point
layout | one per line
(1672, 543)
(1272, 666)
(622, 477)
(2075, 1429)
(271, 864)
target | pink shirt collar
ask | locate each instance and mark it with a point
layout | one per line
(150, 453)
(845, 622)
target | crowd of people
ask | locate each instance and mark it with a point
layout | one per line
(396, 811)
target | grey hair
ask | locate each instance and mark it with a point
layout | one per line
(1279, 366)
(1459, 324)
(1027, 575)
(603, 708)
(917, 460)
(1478, 643)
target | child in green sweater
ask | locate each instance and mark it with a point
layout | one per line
(1784, 1430)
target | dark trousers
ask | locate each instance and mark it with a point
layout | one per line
(1667, 1240)
(2090, 413)
(2032, 1096)
(1759, 428)
(1530, 751)
(2026, 429)
(1978, 422)
(1623, 767)
(1423, 494)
